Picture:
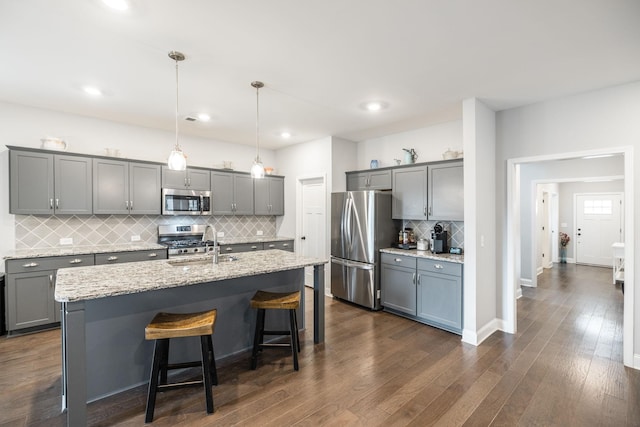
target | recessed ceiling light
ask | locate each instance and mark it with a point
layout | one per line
(92, 90)
(120, 5)
(374, 106)
(285, 135)
(204, 117)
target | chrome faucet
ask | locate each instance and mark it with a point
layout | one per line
(216, 249)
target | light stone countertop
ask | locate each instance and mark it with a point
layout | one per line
(82, 250)
(101, 281)
(251, 239)
(425, 254)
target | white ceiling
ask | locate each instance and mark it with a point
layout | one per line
(319, 60)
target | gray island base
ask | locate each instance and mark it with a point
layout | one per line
(106, 308)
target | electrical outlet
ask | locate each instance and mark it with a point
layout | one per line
(259, 232)
(135, 238)
(66, 241)
(220, 233)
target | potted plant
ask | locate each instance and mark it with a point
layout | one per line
(564, 241)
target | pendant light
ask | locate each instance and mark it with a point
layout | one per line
(177, 160)
(257, 170)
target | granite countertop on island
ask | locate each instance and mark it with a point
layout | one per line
(425, 254)
(82, 250)
(101, 281)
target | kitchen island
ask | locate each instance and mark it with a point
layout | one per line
(105, 309)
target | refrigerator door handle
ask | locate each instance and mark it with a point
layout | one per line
(354, 264)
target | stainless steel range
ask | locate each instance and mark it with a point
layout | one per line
(187, 239)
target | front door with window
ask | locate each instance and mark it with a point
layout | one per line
(598, 226)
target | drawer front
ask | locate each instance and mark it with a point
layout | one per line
(443, 267)
(134, 256)
(284, 245)
(47, 263)
(399, 260)
(243, 247)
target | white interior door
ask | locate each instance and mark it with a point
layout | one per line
(598, 226)
(313, 227)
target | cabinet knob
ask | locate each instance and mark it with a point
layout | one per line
(398, 260)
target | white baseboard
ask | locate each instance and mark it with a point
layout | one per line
(636, 361)
(476, 338)
(526, 282)
(502, 326)
(549, 265)
(518, 295)
(539, 271)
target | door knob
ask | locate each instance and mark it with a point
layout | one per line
(303, 238)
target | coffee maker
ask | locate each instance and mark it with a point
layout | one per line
(439, 239)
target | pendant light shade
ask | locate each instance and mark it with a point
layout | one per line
(257, 170)
(177, 159)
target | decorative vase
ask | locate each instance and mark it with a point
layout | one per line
(563, 254)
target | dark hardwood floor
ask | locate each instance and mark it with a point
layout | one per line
(563, 367)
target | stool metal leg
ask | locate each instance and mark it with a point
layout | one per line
(164, 363)
(294, 338)
(295, 318)
(206, 372)
(161, 346)
(257, 338)
(214, 370)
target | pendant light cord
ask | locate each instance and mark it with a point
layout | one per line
(257, 123)
(177, 144)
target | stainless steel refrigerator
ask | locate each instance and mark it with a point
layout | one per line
(361, 225)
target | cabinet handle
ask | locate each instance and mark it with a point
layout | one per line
(414, 278)
(438, 266)
(75, 261)
(189, 182)
(425, 211)
(51, 280)
(418, 279)
(228, 249)
(50, 203)
(126, 204)
(112, 258)
(272, 246)
(29, 265)
(152, 255)
(430, 210)
(57, 203)
(130, 204)
(254, 247)
(398, 260)
(285, 245)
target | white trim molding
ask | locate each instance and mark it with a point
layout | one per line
(476, 338)
(518, 296)
(527, 282)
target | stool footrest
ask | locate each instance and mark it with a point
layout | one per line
(184, 365)
(276, 345)
(276, 333)
(185, 384)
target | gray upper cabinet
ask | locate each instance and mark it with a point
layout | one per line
(371, 180)
(121, 187)
(44, 183)
(409, 193)
(231, 193)
(191, 179)
(269, 196)
(446, 192)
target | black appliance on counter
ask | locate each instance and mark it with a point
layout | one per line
(439, 239)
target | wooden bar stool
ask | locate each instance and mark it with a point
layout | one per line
(177, 325)
(276, 301)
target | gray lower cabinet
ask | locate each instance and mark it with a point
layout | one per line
(440, 294)
(269, 196)
(121, 187)
(371, 180)
(191, 179)
(426, 290)
(44, 183)
(133, 256)
(409, 193)
(240, 247)
(446, 192)
(232, 193)
(398, 283)
(30, 290)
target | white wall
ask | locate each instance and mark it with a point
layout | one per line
(344, 156)
(429, 142)
(479, 221)
(597, 120)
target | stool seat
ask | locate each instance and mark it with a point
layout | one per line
(162, 328)
(262, 301)
(177, 325)
(275, 300)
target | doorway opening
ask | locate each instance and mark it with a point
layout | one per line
(311, 222)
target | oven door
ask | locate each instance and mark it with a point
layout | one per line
(185, 202)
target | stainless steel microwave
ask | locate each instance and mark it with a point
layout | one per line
(186, 202)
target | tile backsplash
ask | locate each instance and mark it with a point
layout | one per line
(35, 231)
(422, 230)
